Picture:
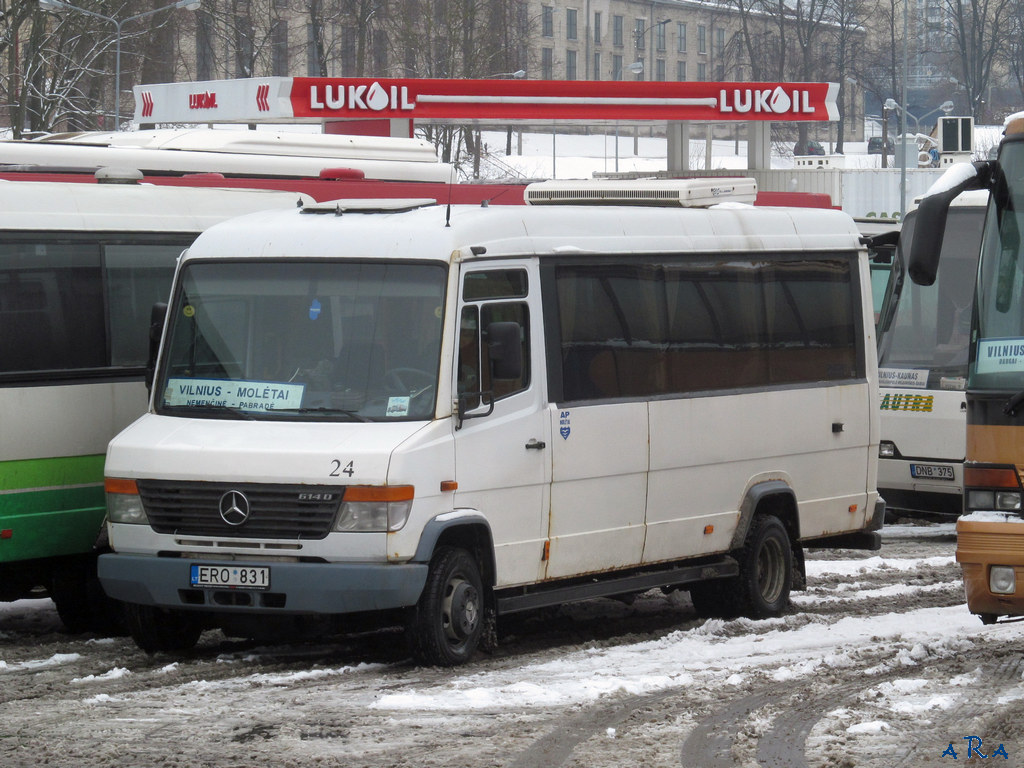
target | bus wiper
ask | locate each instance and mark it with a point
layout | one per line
(1010, 409)
(354, 415)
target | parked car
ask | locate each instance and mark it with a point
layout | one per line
(809, 148)
(875, 146)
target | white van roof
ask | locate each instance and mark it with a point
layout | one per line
(35, 205)
(420, 230)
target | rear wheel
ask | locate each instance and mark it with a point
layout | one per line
(157, 629)
(445, 626)
(761, 590)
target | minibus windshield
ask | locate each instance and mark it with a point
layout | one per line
(998, 362)
(309, 340)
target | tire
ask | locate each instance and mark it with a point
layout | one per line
(761, 590)
(156, 629)
(444, 627)
(81, 603)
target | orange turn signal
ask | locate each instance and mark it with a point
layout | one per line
(379, 493)
(982, 477)
(120, 485)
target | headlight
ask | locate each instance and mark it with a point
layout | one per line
(1001, 580)
(1007, 500)
(123, 502)
(886, 450)
(375, 508)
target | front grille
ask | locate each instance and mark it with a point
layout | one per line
(275, 511)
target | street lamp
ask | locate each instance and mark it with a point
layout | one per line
(946, 106)
(638, 35)
(890, 104)
(519, 74)
(59, 6)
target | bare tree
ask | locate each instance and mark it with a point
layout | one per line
(979, 30)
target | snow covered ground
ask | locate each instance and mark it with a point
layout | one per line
(877, 664)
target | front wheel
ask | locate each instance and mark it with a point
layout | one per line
(156, 629)
(445, 625)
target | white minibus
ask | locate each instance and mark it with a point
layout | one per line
(80, 268)
(445, 414)
(924, 336)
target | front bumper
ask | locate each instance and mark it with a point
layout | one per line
(295, 588)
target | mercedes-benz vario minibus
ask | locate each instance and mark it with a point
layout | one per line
(451, 414)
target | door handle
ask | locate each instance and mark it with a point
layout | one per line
(536, 445)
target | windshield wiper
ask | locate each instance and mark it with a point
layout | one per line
(354, 415)
(1010, 409)
(210, 411)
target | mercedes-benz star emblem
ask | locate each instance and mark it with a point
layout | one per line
(234, 508)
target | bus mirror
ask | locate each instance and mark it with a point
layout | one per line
(926, 245)
(157, 317)
(505, 350)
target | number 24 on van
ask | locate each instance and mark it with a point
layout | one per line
(974, 748)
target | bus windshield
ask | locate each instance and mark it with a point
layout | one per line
(999, 356)
(925, 343)
(339, 341)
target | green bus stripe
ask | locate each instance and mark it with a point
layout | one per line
(51, 474)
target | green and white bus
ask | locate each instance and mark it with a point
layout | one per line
(81, 266)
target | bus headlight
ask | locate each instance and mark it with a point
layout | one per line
(1001, 580)
(375, 508)
(886, 450)
(124, 505)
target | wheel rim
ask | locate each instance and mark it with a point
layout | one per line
(771, 570)
(461, 610)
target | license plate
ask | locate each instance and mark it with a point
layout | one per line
(931, 471)
(233, 576)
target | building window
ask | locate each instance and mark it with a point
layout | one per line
(641, 68)
(659, 69)
(617, 30)
(279, 37)
(312, 58)
(719, 42)
(570, 65)
(616, 67)
(547, 21)
(719, 72)
(659, 36)
(681, 71)
(681, 37)
(597, 65)
(204, 46)
(547, 63)
(597, 27)
(570, 23)
(702, 71)
(638, 33)
(702, 39)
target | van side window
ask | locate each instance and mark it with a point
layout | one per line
(672, 328)
(474, 366)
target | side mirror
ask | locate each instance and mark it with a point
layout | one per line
(157, 318)
(505, 350)
(923, 260)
